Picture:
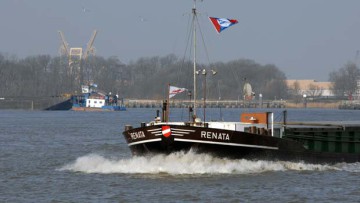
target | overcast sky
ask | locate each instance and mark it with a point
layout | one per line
(306, 39)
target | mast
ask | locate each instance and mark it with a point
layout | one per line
(194, 32)
(168, 104)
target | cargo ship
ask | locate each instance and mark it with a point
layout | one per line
(92, 99)
(253, 136)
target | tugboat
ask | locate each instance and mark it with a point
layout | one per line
(254, 136)
(92, 99)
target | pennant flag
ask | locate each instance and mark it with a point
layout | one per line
(221, 24)
(175, 90)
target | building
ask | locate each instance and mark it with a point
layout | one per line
(310, 88)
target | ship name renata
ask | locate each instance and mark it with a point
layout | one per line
(137, 135)
(215, 135)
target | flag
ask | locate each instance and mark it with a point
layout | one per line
(221, 24)
(166, 130)
(84, 89)
(175, 90)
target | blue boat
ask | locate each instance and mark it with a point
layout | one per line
(92, 99)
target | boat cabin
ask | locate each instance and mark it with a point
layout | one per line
(96, 103)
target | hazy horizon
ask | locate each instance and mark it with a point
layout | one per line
(305, 39)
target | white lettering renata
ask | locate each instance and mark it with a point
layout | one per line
(215, 135)
(137, 135)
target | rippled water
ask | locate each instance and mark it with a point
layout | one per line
(82, 157)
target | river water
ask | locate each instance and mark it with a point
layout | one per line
(65, 156)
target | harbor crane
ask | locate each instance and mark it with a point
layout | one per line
(75, 55)
(90, 49)
(77, 52)
(64, 47)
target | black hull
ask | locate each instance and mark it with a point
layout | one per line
(231, 144)
(62, 106)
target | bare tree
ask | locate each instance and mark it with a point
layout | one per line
(345, 79)
(314, 91)
(295, 92)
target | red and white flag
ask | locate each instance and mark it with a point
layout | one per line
(166, 130)
(221, 24)
(175, 90)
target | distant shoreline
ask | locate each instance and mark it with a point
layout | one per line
(42, 104)
(324, 105)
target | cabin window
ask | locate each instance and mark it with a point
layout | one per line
(95, 102)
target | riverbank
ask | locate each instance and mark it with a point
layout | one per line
(30, 103)
(45, 103)
(235, 104)
(325, 105)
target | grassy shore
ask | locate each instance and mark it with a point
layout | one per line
(327, 105)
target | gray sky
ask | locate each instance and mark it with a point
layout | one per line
(305, 38)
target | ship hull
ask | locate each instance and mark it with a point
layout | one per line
(110, 108)
(225, 143)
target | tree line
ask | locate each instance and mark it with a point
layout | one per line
(148, 77)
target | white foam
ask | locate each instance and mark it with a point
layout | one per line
(353, 167)
(191, 163)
